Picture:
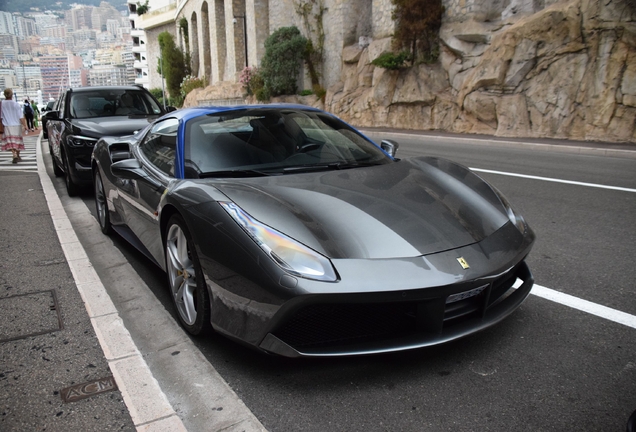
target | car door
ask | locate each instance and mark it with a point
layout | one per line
(157, 153)
(55, 128)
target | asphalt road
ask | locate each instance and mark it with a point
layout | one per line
(547, 367)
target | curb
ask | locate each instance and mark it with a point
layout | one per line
(147, 404)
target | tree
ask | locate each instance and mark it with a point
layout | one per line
(174, 65)
(142, 8)
(417, 25)
(284, 51)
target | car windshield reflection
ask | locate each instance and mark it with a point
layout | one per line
(106, 103)
(269, 142)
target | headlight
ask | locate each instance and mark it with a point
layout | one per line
(514, 217)
(289, 254)
(81, 141)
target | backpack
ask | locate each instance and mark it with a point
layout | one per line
(28, 110)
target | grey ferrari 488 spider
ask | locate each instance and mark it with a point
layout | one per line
(286, 229)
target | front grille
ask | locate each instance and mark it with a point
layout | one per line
(334, 325)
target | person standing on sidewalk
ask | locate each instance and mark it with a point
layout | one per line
(36, 114)
(13, 121)
(28, 114)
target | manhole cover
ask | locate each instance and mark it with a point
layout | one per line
(88, 389)
(30, 314)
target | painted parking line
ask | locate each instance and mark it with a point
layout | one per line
(549, 179)
(583, 305)
(566, 299)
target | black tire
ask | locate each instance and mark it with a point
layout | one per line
(631, 423)
(191, 298)
(101, 204)
(71, 187)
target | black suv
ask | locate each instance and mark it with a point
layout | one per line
(83, 115)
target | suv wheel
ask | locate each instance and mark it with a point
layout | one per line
(71, 187)
(56, 168)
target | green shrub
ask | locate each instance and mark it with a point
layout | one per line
(284, 51)
(190, 83)
(262, 94)
(142, 8)
(390, 60)
(306, 92)
(417, 24)
(320, 92)
(157, 93)
(176, 101)
(257, 84)
(175, 65)
(251, 79)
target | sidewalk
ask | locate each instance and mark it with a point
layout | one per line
(56, 372)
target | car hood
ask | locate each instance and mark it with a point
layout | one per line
(403, 209)
(110, 126)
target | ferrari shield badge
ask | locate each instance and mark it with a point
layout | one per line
(462, 262)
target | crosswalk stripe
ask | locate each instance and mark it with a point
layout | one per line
(28, 162)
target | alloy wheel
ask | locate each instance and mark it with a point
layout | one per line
(181, 274)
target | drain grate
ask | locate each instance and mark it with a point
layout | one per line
(31, 314)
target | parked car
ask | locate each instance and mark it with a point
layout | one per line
(50, 106)
(283, 227)
(83, 115)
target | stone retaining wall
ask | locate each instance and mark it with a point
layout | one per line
(533, 68)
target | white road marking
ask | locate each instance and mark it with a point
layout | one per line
(583, 305)
(549, 179)
(566, 299)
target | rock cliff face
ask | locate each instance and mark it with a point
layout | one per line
(568, 71)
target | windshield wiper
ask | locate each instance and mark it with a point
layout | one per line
(236, 173)
(328, 166)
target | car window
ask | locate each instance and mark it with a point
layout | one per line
(112, 102)
(160, 145)
(273, 139)
(61, 105)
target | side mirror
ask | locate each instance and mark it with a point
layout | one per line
(390, 147)
(53, 115)
(128, 169)
(170, 109)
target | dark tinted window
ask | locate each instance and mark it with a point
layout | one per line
(111, 102)
(160, 145)
(274, 139)
(61, 103)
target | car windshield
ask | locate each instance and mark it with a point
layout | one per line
(273, 141)
(104, 103)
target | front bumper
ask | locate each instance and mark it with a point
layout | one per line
(378, 305)
(79, 162)
(376, 324)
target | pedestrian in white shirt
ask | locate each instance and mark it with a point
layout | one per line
(14, 123)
